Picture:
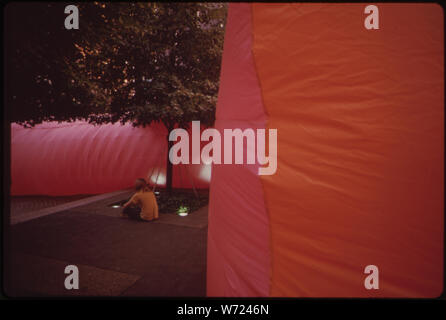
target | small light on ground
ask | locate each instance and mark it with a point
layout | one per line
(115, 206)
(182, 211)
(157, 192)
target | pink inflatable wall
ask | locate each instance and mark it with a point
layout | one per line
(80, 158)
(238, 258)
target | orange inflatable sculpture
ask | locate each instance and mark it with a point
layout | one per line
(356, 206)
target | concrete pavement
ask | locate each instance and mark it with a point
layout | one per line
(115, 256)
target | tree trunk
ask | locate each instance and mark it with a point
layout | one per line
(169, 166)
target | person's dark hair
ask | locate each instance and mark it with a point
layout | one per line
(141, 184)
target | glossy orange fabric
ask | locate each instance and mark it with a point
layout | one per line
(360, 126)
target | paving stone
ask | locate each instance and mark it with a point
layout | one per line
(33, 276)
(21, 204)
(169, 256)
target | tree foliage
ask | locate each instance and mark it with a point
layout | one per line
(36, 46)
(137, 62)
(128, 62)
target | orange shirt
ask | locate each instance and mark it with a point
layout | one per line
(147, 202)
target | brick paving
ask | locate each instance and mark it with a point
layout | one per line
(21, 204)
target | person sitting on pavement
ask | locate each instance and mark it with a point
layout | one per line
(142, 205)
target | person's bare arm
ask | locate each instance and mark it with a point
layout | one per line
(132, 200)
(156, 209)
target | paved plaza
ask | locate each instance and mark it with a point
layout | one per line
(115, 256)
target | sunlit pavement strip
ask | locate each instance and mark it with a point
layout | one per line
(19, 218)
